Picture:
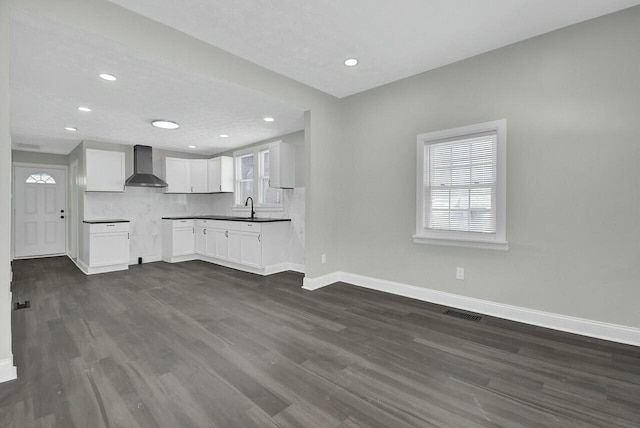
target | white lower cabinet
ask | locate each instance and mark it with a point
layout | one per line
(201, 241)
(178, 240)
(222, 244)
(105, 247)
(252, 246)
(234, 246)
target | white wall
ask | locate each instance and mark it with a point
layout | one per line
(572, 103)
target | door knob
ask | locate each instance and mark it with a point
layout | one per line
(61, 216)
(61, 211)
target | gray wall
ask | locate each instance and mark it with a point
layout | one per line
(5, 186)
(572, 103)
(40, 158)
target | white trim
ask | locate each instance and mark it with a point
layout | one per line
(585, 327)
(7, 370)
(283, 267)
(42, 256)
(145, 259)
(96, 270)
(485, 245)
(321, 281)
(296, 267)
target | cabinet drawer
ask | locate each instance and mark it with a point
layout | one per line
(108, 227)
(251, 227)
(226, 225)
(183, 223)
(205, 223)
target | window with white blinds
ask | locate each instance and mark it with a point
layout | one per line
(460, 185)
(461, 189)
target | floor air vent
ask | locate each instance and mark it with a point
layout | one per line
(25, 305)
(462, 315)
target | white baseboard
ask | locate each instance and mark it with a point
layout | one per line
(283, 267)
(601, 330)
(321, 281)
(101, 269)
(7, 370)
(146, 259)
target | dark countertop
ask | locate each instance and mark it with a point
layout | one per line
(228, 218)
(105, 221)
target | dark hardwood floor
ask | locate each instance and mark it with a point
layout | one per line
(199, 345)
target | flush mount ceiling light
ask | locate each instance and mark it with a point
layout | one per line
(351, 62)
(107, 76)
(269, 119)
(224, 136)
(165, 124)
(71, 129)
(192, 147)
(84, 109)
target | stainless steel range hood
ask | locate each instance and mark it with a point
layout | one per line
(143, 169)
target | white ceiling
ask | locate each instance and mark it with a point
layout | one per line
(308, 40)
(55, 70)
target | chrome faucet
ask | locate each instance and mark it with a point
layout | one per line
(253, 213)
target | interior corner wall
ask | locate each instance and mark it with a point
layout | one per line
(5, 188)
(571, 99)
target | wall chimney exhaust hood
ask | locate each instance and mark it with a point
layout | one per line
(143, 169)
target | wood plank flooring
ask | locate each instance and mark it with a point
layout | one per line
(199, 345)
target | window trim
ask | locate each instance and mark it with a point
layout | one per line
(257, 189)
(493, 241)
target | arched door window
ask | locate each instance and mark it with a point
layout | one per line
(40, 178)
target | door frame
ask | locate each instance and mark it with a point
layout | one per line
(13, 204)
(73, 247)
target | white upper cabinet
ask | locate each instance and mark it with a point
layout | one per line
(105, 171)
(186, 175)
(177, 174)
(220, 171)
(283, 167)
(198, 175)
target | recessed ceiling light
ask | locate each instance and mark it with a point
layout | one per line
(165, 124)
(351, 62)
(224, 136)
(85, 109)
(269, 119)
(107, 76)
(71, 129)
(192, 147)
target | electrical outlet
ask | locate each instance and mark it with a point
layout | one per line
(460, 273)
(324, 258)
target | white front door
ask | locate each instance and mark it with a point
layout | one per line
(39, 210)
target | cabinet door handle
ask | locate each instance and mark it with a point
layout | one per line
(204, 231)
(128, 236)
(260, 238)
(221, 187)
(226, 233)
(194, 230)
(191, 189)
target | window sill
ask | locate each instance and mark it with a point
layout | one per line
(484, 245)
